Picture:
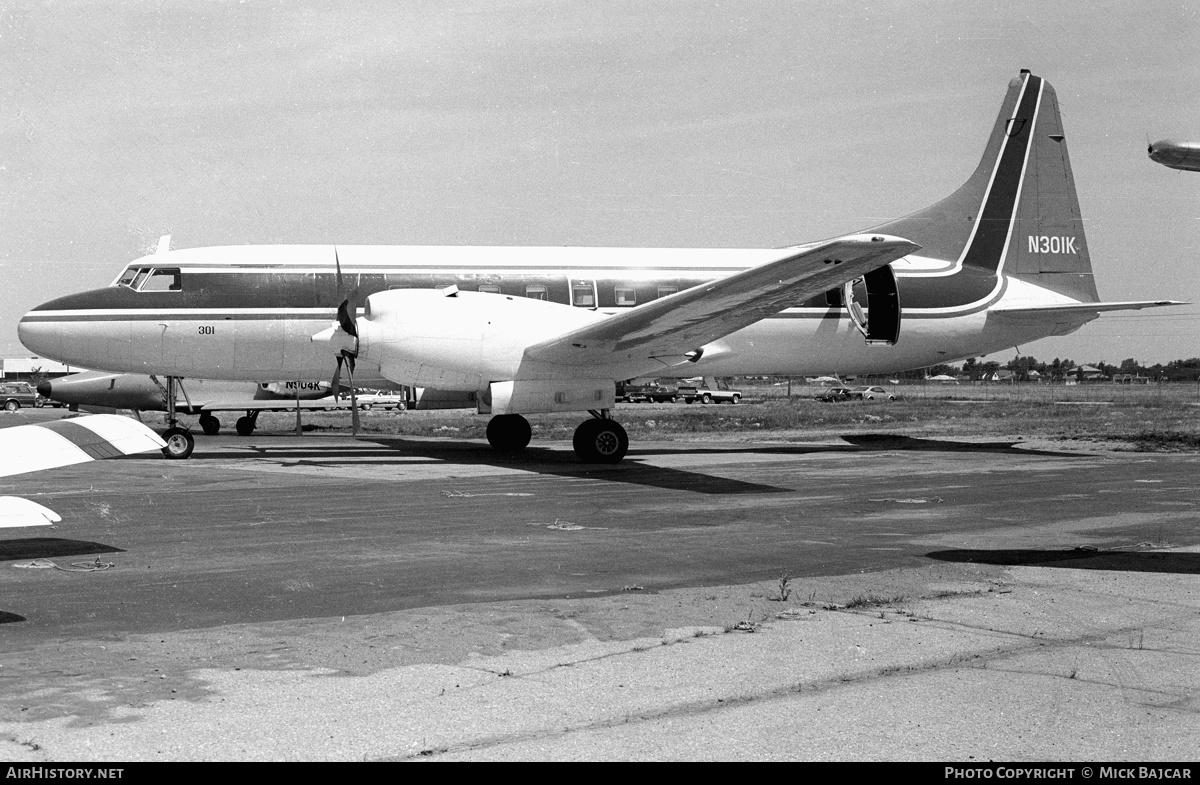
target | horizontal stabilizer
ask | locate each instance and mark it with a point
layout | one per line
(1066, 309)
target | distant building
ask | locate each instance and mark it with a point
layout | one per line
(27, 368)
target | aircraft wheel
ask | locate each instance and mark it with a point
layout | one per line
(600, 441)
(210, 425)
(245, 426)
(179, 443)
(509, 432)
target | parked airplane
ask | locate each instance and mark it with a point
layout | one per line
(1177, 155)
(1003, 261)
(140, 393)
(40, 446)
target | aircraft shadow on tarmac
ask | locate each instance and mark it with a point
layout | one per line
(540, 460)
(543, 460)
(51, 547)
(1080, 559)
(884, 442)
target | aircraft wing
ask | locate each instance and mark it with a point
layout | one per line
(672, 326)
(31, 448)
(277, 404)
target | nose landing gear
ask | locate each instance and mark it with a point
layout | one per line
(180, 443)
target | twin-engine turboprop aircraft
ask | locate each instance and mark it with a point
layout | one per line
(1000, 262)
(202, 397)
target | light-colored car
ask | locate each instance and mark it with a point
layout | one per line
(872, 394)
(380, 400)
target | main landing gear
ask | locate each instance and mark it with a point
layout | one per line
(598, 440)
(246, 425)
(210, 425)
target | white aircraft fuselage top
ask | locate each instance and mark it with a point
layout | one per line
(1001, 262)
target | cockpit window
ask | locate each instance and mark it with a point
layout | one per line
(151, 279)
(162, 279)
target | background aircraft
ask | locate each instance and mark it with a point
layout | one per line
(103, 390)
(1177, 155)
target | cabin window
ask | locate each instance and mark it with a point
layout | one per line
(583, 294)
(489, 288)
(536, 292)
(140, 278)
(162, 279)
(663, 291)
(625, 295)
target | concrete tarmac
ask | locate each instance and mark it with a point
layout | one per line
(868, 598)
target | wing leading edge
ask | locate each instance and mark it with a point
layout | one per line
(672, 326)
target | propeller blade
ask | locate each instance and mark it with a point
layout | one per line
(354, 423)
(346, 319)
(337, 377)
(341, 289)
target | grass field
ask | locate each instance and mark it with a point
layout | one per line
(1152, 418)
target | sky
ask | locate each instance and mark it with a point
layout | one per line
(662, 123)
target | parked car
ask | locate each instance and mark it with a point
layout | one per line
(14, 395)
(380, 400)
(708, 390)
(872, 394)
(641, 390)
(834, 394)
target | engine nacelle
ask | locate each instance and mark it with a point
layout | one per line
(453, 340)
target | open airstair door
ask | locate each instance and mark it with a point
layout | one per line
(880, 324)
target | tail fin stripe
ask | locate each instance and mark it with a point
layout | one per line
(994, 222)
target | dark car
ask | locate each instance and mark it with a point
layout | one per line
(835, 394)
(14, 395)
(639, 390)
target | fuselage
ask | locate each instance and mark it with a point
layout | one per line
(250, 312)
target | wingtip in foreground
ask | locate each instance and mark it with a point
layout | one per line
(32, 448)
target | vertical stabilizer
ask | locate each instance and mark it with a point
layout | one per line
(1018, 213)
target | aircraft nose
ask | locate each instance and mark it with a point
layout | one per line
(44, 389)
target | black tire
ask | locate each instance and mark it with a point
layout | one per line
(12, 406)
(735, 399)
(179, 443)
(245, 426)
(706, 398)
(600, 441)
(509, 433)
(210, 425)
